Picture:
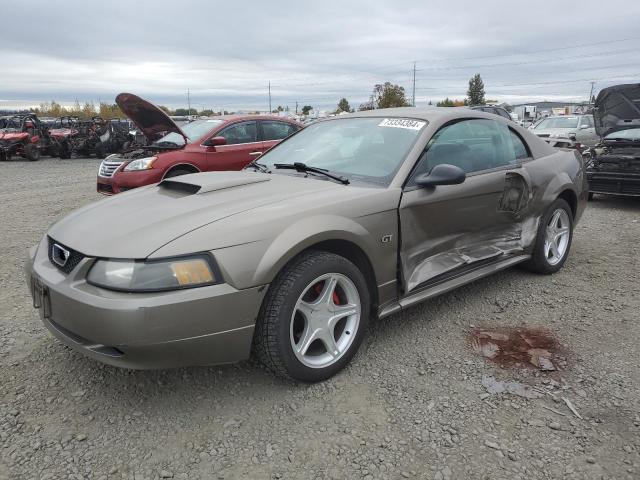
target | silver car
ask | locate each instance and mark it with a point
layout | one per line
(354, 217)
(578, 128)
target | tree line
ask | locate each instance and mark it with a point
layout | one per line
(384, 95)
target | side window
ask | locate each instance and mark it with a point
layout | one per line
(586, 121)
(473, 145)
(519, 148)
(277, 130)
(245, 132)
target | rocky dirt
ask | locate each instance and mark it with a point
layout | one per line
(415, 403)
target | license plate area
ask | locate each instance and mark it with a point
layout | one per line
(41, 299)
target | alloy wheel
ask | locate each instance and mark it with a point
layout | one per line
(558, 233)
(325, 320)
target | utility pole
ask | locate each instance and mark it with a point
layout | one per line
(414, 85)
(591, 92)
(296, 107)
(188, 102)
(269, 96)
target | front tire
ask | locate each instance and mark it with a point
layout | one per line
(313, 318)
(32, 152)
(553, 241)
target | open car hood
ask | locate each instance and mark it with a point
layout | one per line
(617, 108)
(152, 122)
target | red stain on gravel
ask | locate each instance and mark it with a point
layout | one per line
(519, 347)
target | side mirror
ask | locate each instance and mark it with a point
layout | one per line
(443, 174)
(216, 141)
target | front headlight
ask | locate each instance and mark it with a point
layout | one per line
(140, 164)
(155, 275)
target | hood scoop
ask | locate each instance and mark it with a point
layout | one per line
(200, 183)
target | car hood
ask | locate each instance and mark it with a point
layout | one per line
(151, 121)
(617, 108)
(135, 224)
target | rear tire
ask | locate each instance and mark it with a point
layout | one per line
(313, 318)
(553, 241)
(32, 152)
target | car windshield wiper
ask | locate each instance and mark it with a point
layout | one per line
(258, 166)
(301, 167)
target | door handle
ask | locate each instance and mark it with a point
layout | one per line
(255, 154)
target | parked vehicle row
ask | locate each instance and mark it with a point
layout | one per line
(354, 216)
(25, 136)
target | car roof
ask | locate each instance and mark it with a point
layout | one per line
(233, 118)
(430, 114)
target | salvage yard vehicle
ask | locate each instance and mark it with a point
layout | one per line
(614, 164)
(26, 136)
(355, 216)
(81, 137)
(227, 142)
(578, 130)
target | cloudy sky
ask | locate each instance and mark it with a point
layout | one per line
(314, 53)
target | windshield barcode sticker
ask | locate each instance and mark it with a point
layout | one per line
(402, 123)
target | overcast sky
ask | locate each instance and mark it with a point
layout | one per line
(225, 53)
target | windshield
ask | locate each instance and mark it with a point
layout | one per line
(629, 134)
(365, 149)
(193, 131)
(558, 122)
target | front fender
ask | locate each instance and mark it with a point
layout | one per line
(302, 235)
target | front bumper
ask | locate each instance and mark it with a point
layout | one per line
(123, 181)
(614, 183)
(199, 326)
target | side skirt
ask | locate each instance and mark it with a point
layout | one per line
(438, 288)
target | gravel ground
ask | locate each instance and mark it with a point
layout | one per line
(411, 405)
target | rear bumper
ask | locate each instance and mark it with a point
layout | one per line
(614, 183)
(199, 326)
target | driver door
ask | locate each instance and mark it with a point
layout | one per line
(242, 147)
(448, 229)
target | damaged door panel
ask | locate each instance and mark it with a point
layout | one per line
(452, 227)
(448, 229)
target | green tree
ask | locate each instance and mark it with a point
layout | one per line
(165, 109)
(110, 110)
(475, 94)
(447, 102)
(306, 109)
(343, 106)
(182, 112)
(388, 95)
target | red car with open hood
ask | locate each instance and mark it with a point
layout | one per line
(226, 142)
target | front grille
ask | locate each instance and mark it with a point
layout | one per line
(615, 186)
(72, 262)
(108, 168)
